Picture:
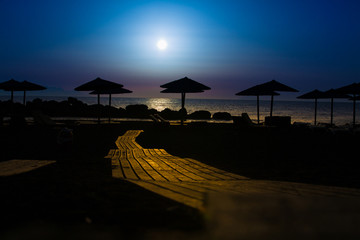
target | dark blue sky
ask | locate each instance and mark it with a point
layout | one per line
(227, 45)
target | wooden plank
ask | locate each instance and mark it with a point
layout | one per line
(187, 180)
(126, 167)
(138, 155)
(183, 173)
(168, 172)
(116, 154)
(18, 166)
(169, 193)
(117, 172)
(202, 186)
(140, 172)
(119, 143)
(127, 141)
(110, 153)
(216, 175)
(222, 175)
(229, 187)
(178, 187)
(188, 167)
(200, 169)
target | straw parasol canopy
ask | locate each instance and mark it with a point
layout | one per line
(353, 89)
(254, 91)
(183, 86)
(315, 94)
(110, 92)
(98, 84)
(274, 85)
(11, 85)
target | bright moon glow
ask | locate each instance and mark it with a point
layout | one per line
(162, 44)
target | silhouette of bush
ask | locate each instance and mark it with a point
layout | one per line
(137, 111)
(73, 107)
(153, 111)
(222, 116)
(172, 115)
(8, 108)
(202, 114)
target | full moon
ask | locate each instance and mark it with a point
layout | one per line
(162, 44)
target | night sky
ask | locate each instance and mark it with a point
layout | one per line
(227, 45)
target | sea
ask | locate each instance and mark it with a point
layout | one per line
(300, 111)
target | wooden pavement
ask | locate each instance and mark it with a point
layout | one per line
(190, 182)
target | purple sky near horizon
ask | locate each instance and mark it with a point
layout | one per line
(226, 45)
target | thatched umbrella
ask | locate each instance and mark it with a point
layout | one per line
(253, 91)
(274, 86)
(11, 85)
(98, 84)
(110, 92)
(183, 86)
(353, 89)
(316, 94)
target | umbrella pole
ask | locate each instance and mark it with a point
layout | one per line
(271, 106)
(258, 110)
(24, 98)
(315, 111)
(182, 107)
(332, 112)
(354, 108)
(182, 100)
(98, 97)
(109, 107)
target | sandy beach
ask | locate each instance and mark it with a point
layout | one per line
(77, 194)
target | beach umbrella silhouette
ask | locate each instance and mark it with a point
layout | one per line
(254, 91)
(353, 89)
(274, 85)
(29, 86)
(98, 84)
(316, 94)
(183, 86)
(11, 85)
(110, 92)
(332, 93)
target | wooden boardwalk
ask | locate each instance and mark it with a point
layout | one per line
(190, 182)
(17, 166)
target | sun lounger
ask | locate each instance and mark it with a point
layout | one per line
(159, 120)
(243, 120)
(43, 120)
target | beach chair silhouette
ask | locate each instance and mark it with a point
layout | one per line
(159, 120)
(246, 119)
(243, 120)
(42, 119)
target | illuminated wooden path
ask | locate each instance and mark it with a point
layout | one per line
(189, 181)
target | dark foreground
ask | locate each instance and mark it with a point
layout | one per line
(78, 196)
